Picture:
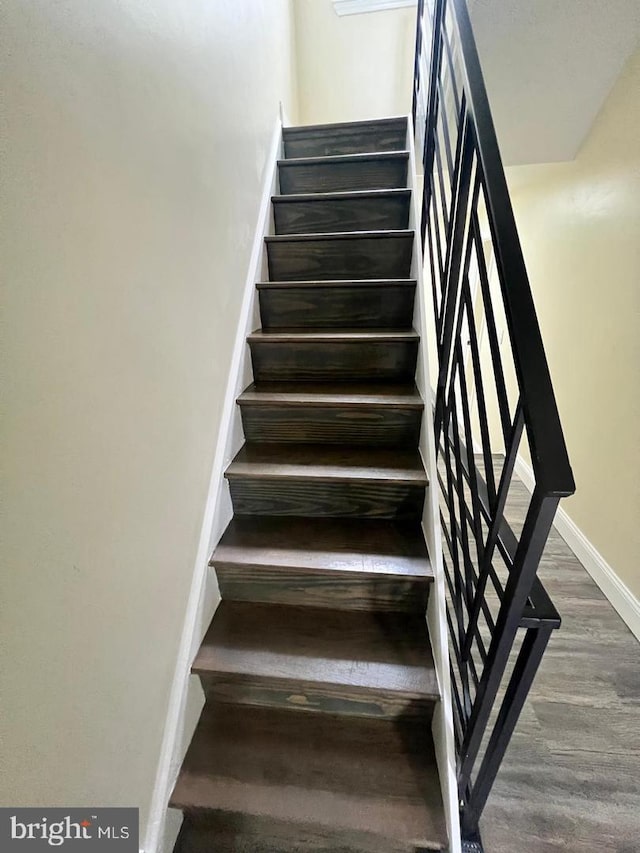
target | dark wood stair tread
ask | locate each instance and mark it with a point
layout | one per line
(319, 648)
(341, 195)
(328, 463)
(364, 157)
(332, 236)
(332, 394)
(351, 779)
(337, 283)
(342, 335)
(363, 124)
(345, 138)
(381, 547)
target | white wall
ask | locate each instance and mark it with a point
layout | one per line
(137, 136)
(354, 66)
(579, 223)
(549, 66)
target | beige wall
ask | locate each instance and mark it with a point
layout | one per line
(353, 67)
(580, 228)
(137, 138)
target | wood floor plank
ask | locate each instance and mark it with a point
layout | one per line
(570, 778)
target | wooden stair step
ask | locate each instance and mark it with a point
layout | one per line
(318, 462)
(355, 137)
(342, 211)
(324, 480)
(290, 782)
(328, 354)
(381, 415)
(361, 303)
(352, 564)
(318, 659)
(340, 255)
(377, 170)
(385, 395)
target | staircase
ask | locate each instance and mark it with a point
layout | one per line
(317, 666)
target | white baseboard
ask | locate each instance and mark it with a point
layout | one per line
(217, 513)
(620, 596)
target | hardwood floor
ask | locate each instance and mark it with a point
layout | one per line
(571, 778)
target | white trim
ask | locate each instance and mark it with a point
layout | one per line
(619, 595)
(525, 472)
(217, 513)
(357, 7)
(442, 725)
(284, 116)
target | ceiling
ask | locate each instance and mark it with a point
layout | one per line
(549, 66)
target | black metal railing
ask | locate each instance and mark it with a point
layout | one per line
(491, 390)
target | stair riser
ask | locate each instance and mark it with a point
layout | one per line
(329, 360)
(331, 215)
(377, 307)
(340, 259)
(382, 174)
(317, 498)
(338, 590)
(328, 143)
(305, 696)
(382, 427)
